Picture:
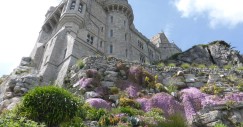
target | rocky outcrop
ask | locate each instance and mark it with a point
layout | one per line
(219, 53)
(14, 86)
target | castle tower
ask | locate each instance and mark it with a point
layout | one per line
(119, 18)
(167, 49)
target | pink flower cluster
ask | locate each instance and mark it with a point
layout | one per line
(130, 88)
(136, 74)
(161, 100)
(191, 99)
(98, 103)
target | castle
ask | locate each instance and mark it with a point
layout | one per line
(78, 28)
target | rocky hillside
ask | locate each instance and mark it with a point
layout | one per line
(203, 95)
(219, 53)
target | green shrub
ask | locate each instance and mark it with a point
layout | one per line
(114, 90)
(185, 66)
(49, 104)
(10, 119)
(75, 122)
(80, 63)
(95, 114)
(124, 102)
(171, 65)
(108, 120)
(227, 67)
(201, 66)
(128, 110)
(240, 86)
(213, 66)
(175, 120)
(219, 125)
(171, 88)
(160, 65)
(211, 89)
(240, 68)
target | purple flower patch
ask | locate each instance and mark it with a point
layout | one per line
(98, 103)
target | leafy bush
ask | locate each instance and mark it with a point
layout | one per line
(114, 90)
(202, 66)
(240, 68)
(175, 120)
(227, 67)
(185, 66)
(128, 110)
(240, 86)
(211, 89)
(128, 102)
(107, 120)
(171, 65)
(160, 65)
(49, 104)
(75, 122)
(213, 66)
(95, 114)
(171, 88)
(219, 125)
(80, 63)
(10, 119)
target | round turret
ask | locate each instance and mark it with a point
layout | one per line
(120, 6)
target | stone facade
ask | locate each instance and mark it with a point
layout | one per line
(78, 28)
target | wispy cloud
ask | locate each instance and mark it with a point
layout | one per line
(228, 13)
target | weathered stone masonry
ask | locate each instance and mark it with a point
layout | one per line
(78, 28)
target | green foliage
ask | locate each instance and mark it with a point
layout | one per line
(156, 114)
(227, 67)
(172, 65)
(108, 120)
(124, 102)
(240, 86)
(211, 89)
(10, 119)
(221, 42)
(75, 122)
(240, 68)
(175, 120)
(80, 63)
(213, 66)
(185, 66)
(171, 88)
(219, 125)
(128, 110)
(160, 65)
(240, 125)
(201, 66)
(114, 90)
(94, 113)
(49, 104)
(1, 81)
(230, 104)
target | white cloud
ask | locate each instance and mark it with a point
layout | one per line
(20, 24)
(228, 13)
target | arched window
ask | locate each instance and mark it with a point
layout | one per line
(72, 5)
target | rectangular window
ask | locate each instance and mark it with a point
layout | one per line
(111, 33)
(125, 37)
(72, 5)
(101, 43)
(90, 39)
(125, 23)
(111, 19)
(102, 29)
(140, 44)
(80, 8)
(151, 54)
(126, 52)
(142, 58)
(111, 49)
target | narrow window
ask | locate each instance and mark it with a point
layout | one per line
(80, 8)
(90, 39)
(111, 49)
(72, 5)
(126, 52)
(102, 29)
(111, 33)
(125, 22)
(142, 58)
(65, 52)
(111, 19)
(101, 44)
(125, 37)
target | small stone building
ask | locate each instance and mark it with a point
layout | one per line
(78, 28)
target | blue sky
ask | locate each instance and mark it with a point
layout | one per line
(186, 22)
